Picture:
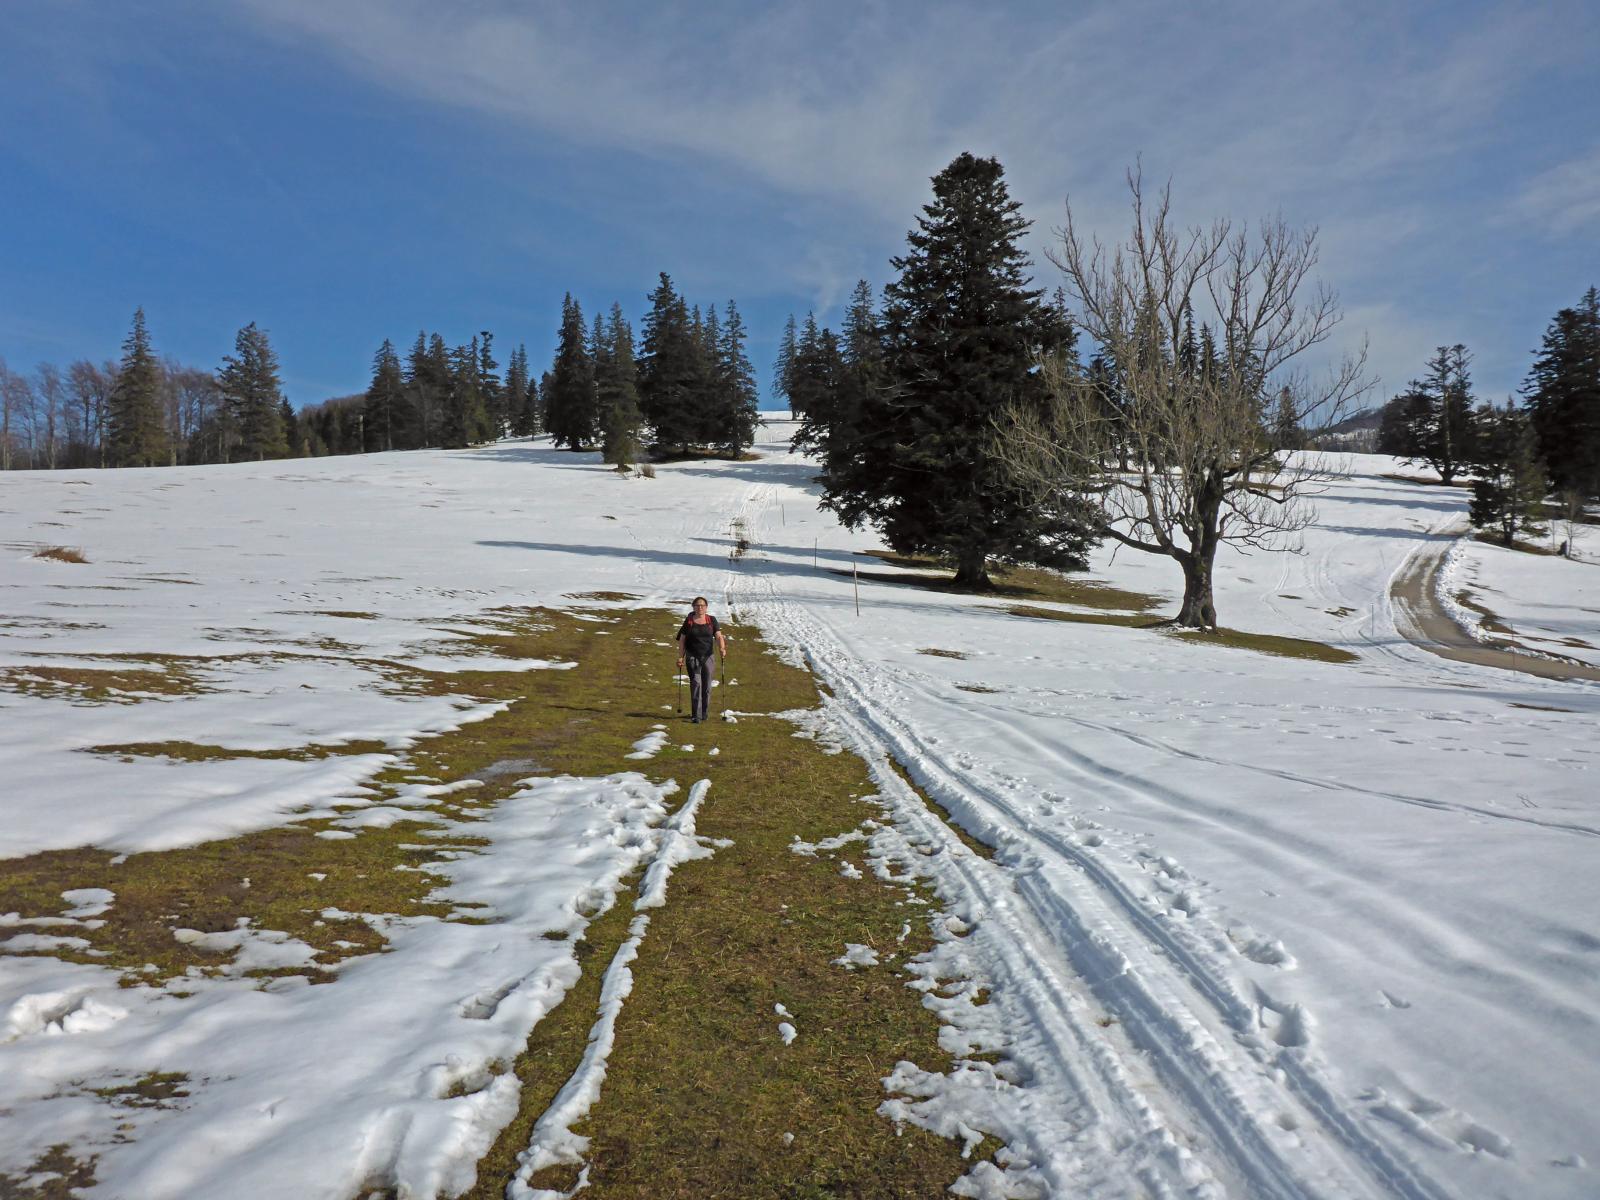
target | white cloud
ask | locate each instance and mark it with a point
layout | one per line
(1566, 198)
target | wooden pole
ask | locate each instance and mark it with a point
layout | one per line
(855, 578)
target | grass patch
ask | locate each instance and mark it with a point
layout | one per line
(978, 687)
(700, 1088)
(937, 653)
(609, 597)
(198, 752)
(54, 1175)
(1262, 643)
(1266, 643)
(1027, 583)
(66, 554)
(1129, 620)
(103, 685)
(1521, 545)
(158, 1089)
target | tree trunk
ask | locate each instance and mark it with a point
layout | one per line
(970, 572)
(1198, 611)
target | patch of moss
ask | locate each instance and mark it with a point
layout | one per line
(54, 1175)
(158, 1089)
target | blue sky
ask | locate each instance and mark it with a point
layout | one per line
(341, 171)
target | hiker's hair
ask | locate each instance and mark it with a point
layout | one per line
(699, 600)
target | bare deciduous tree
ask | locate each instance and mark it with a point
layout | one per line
(1186, 456)
(49, 411)
(91, 393)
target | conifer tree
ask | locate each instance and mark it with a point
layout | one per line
(820, 384)
(1509, 491)
(600, 357)
(715, 386)
(783, 367)
(570, 401)
(670, 375)
(253, 396)
(541, 401)
(1432, 421)
(464, 419)
(736, 427)
(617, 390)
(808, 386)
(387, 408)
(518, 416)
(491, 392)
(964, 332)
(138, 436)
(1563, 393)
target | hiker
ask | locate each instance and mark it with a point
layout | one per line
(698, 637)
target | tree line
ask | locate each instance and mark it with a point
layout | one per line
(688, 388)
(1516, 454)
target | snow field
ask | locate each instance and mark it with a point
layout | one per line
(1250, 925)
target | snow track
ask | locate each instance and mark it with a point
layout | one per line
(1146, 1063)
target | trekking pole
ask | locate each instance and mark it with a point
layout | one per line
(678, 671)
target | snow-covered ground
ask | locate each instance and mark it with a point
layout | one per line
(1254, 926)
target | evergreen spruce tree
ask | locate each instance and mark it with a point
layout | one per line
(617, 392)
(137, 435)
(540, 398)
(737, 422)
(492, 419)
(1432, 421)
(716, 388)
(253, 396)
(963, 333)
(670, 374)
(1563, 393)
(291, 428)
(600, 357)
(570, 401)
(783, 367)
(821, 384)
(1509, 492)
(464, 419)
(518, 416)
(387, 407)
(418, 396)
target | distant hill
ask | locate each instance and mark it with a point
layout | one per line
(1357, 433)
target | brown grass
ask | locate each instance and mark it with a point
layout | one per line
(1023, 583)
(66, 554)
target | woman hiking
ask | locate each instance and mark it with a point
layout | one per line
(697, 638)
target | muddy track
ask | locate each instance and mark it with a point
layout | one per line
(1420, 619)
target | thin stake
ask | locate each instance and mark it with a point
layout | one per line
(855, 578)
(813, 554)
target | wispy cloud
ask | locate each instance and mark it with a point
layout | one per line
(1566, 198)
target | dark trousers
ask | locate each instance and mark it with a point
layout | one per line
(699, 686)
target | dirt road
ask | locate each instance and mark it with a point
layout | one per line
(1421, 620)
